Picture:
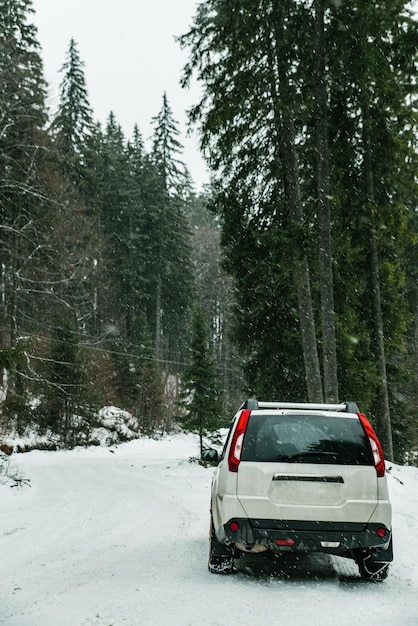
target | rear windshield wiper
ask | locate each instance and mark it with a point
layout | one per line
(300, 455)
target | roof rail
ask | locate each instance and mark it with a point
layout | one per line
(251, 403)
(347, 407)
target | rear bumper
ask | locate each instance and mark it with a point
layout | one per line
(289, 535)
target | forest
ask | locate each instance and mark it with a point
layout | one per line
(293, 276)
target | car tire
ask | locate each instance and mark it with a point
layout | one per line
(373, 570)
(221, 557)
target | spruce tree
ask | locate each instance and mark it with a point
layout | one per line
(67, 405)
(22, 117)
(73, 121)
(170, 237)
(200, 385)
(166, 151)
(249, 116)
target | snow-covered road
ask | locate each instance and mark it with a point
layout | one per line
(112, 537)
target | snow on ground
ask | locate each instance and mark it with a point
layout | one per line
(118, 537)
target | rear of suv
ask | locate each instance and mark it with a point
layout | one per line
(301, 477)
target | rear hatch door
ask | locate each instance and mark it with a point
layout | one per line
(306, 466)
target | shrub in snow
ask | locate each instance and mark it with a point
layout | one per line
(10, 475)
(115, 426)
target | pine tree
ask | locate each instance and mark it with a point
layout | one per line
(201, 393)
(73, 122)
(170, 237)
(22, 117)
(166, 152)
(67, 406)
(115, 224)
(248, 119)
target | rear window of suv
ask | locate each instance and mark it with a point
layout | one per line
(306, 438)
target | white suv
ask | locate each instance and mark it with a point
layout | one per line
(301, 477)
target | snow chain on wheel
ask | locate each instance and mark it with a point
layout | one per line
(221, 557)
(373, 570)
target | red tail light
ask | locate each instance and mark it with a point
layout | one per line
(235, 450)
(375, 445)
(285, 542)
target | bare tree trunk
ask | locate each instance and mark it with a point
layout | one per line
(4, 331)
(302, 275)
(416, 345)
(291, 165)
(329, 346)
(382, 412)
(307, 326)
(158, 320)
(382, 409)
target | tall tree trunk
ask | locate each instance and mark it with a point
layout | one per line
(11, 316)
(4, 331)
(416, 344)
(302, 274)
(382, 412)
(382, 406)
(307, 326)
(291, 165)
(158, 319)
(329, 347)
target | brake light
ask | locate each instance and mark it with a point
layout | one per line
(235, 450)
(375, 445)
(285, 542)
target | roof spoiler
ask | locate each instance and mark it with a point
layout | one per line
(346, 407)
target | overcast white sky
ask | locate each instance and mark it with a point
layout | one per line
(130, 58)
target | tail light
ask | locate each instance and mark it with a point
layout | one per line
(235, 450)
(288, 543)
(375, 445)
